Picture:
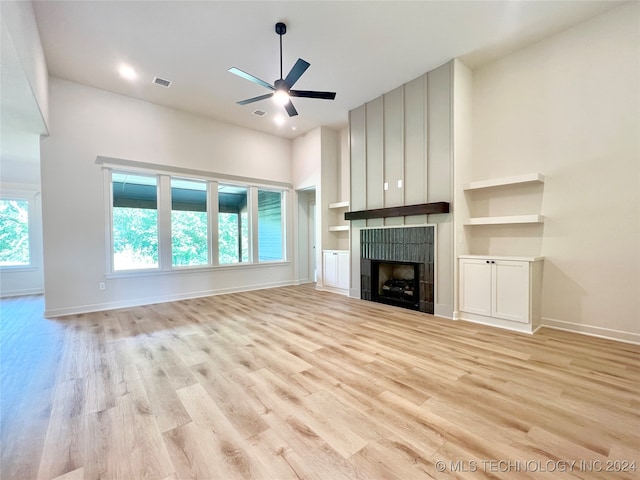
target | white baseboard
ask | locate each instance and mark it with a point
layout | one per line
(498, 323)
(601, 332)
(339, 291)
(59, 312)
(20, 293)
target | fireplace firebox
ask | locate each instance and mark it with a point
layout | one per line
(396, 283)
(397, 266)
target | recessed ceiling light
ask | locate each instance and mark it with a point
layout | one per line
(279, 119)
(293, 128)
(127, 72)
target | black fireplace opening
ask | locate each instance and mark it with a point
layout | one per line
(396, 283)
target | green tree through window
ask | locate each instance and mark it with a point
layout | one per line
(14, 233)
(135, 222)
(189, 232)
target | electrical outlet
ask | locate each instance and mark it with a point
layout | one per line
(102, 286)
(386, 185)
(399, 183)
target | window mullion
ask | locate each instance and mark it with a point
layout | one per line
(108, 214)
(212, 208)
(284, 201)
(254, 254)
(164, 222)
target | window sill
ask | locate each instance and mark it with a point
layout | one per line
(194, 269)
(18, 268)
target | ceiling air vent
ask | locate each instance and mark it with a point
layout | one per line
(259, 113)
(162, 82)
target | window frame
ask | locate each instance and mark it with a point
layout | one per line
(207, 184)
(248, 189)
(30, 197)
(283, 220)
(164, 177)
(110, 243)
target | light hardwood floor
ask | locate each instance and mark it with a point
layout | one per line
(291, 383)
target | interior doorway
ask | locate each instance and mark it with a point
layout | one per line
(307, 264)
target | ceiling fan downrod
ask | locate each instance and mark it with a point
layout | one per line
(281, 29)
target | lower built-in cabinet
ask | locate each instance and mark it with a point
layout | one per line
(335, 269)
(501, 291)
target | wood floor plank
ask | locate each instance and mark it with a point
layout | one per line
(231, 397)
(62, 452)
(294, 383)
(135, 447)
(164, 402)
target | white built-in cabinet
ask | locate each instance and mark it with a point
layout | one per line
(335, 269)
(501, 291)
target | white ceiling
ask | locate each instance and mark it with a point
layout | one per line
(358, 49)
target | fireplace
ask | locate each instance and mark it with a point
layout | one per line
(396, 283)
(397, 266)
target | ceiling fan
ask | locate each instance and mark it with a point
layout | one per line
(282, 87)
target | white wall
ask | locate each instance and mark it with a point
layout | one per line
(24, 111)
(569, 108)
(87, 122)
(306, 160)
(462, 148)
(18, 19)
(315, 166)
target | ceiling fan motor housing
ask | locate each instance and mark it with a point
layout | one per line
(281, 28)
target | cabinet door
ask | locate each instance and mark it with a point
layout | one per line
(343, 270)
(475, 286)
(330, 269)
(511, 291)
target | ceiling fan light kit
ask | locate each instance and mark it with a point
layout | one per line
(281, 88)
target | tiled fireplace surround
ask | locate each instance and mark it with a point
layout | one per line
(412, 245)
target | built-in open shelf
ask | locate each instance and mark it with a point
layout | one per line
(336, 206)
(420, 209)
(498, 182)
(513, 219)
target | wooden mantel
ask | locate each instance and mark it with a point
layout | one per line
(420, 209)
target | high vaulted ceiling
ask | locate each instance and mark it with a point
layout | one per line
(358, 49)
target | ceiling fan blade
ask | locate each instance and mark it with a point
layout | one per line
(255, 99)
(313, 94)
(291, 110)
(296, 72)
(251, 78)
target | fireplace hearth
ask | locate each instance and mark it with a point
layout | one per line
(397, 267)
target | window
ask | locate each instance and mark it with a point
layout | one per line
(15, 240)
(160, 222)
(233, 224)
(189, 225)
(135, 221)
(269, 226)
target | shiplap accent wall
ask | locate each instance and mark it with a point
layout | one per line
(406, 135)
